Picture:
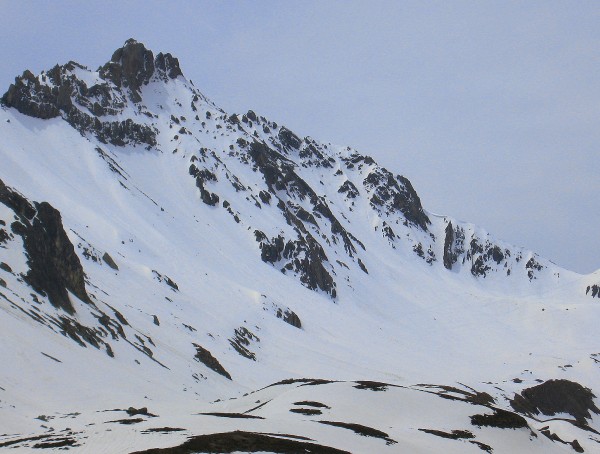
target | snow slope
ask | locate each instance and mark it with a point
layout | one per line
(216, 254)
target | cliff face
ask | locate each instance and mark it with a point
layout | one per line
(54, 268)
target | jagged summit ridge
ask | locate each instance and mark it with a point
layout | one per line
(133, 66)
(122, 104)
(84, 98)
(130, 66)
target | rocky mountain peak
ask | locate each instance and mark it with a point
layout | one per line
(315, 187)
(64, 89)
(185, 255)
(83, 97)
(133, 66)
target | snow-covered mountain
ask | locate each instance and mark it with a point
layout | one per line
(259, 291)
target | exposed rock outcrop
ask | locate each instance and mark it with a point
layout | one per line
(110, 262)
(557, 396)
(54, 268)
(60, 93)
(206, 358)
(290, 317)
(131, 66)
(594, 289)
(391, 194)
(449, 254)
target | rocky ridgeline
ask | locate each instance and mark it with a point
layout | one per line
(484, 255)
(109, 104)
(60, 93)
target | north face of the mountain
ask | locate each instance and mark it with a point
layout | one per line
(129, 101)
(184, 254)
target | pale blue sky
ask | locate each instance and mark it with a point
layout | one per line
(491, 109)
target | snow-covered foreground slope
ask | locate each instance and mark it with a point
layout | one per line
(186, 255)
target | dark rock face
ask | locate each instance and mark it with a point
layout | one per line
(557, 396)
(244, 442)
(54, 271)
(497, 255)
(304, 257)
(277, 170)
(349, 189)
(531, 265)
(362, 266)
(28, 98)
(130, 66)
(167, 66)
(54, 266)
(121, 133)
(206, 358)
(4, 235)
(265, 197)
(305, 254)
(595, 289)
(289, 139)
(449, 255)
(84, 335)
(59, 93)
(132, 411)
(576, 446)
(54, 96)
(241, 341)
(479, 267)
(133, 66)
(429, 258)
(309, 151)
(484, 255)
(391, 195)
(202, 176)
(207, 197)
(289, 317)
(109, 261)
(500, 418)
